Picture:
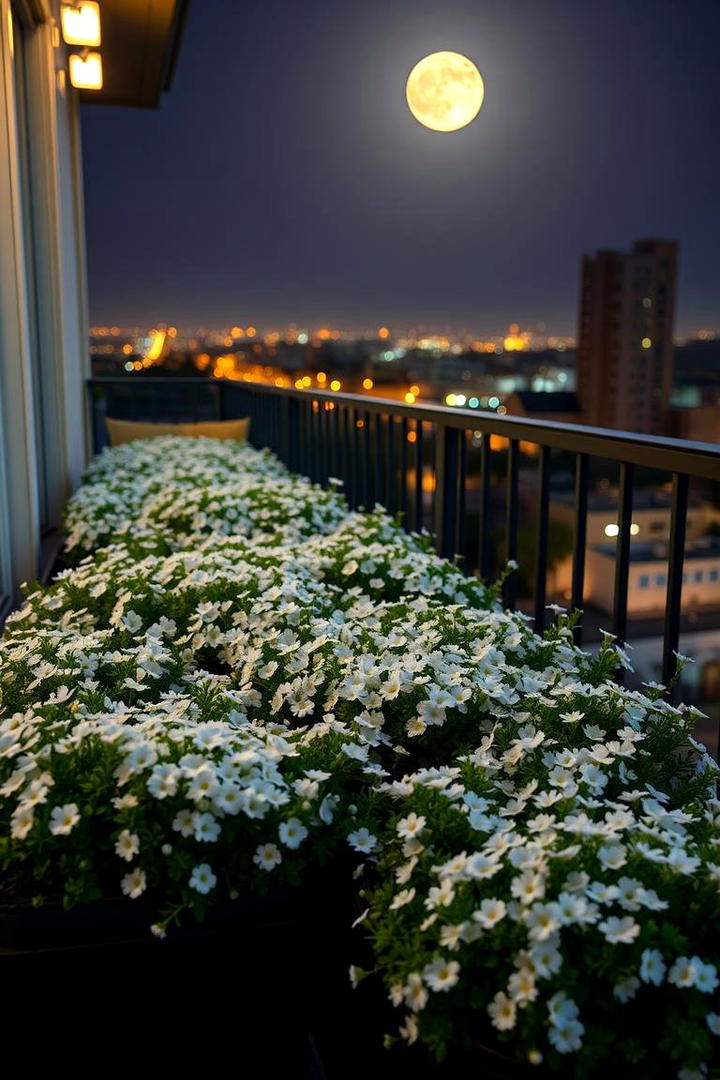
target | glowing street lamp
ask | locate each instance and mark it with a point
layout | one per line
(81, 23)
(86, 70)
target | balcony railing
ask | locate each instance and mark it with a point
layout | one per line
(428, 462)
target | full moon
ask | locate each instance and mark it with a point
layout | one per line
(445, 91)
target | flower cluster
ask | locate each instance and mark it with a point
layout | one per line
(240, 680)
(559, 881)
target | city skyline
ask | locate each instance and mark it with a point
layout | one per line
(334, 207)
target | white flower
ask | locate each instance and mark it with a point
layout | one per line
(503, 1012)
(142, 757)
(546, 958)
(362, 840)
(63, 819)
(566, 1036)
(451, 935)
(134, 883)
(412, 825)
(353, 750)
(521, 985)
(415, 994)
(127, 845)
(402, 898)
(612, 856)
(22, 822)
(490, 913)
(206, 828)
(441, 974)
(682, 862)
(163, 781)
(184, 822)
(202, 879)
(528, 886)
(619, 931)
(652, 967)
(542, 920)
(292, 832)
(440, 895)
(267, 856)
(706, 979)
(326, 811)
(626, 990)
(713, 1022)
(409, 1030)
(602, 893)
(684, 971)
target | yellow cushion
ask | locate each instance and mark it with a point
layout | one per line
(122, 431)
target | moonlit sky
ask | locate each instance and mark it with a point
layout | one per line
(285, 180)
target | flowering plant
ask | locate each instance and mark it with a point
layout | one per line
(240, 679)
(560, 881)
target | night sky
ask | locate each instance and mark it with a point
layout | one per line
(284, 179)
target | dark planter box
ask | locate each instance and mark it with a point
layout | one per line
(263, 978)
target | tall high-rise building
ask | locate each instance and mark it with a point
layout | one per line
(625, 337)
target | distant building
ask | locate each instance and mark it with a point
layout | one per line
(647, 581)
(649, 536)
(545, 405)
(625, 337)
(650, 515)
(699, 423)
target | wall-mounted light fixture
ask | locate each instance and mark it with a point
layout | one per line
(86, 70)
(81, 23)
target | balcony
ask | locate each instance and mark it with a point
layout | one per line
(482, 484)
(241, 758)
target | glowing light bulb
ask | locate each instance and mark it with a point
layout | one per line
(81, 23)
(86, 71)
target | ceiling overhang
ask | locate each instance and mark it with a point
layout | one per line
(140, 42)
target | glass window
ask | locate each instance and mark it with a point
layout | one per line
(698, 575)
(712, 575)
(661, 579)
(644, 581)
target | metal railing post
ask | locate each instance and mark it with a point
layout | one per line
(447, 472)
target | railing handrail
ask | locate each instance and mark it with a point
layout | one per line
(652, 451)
